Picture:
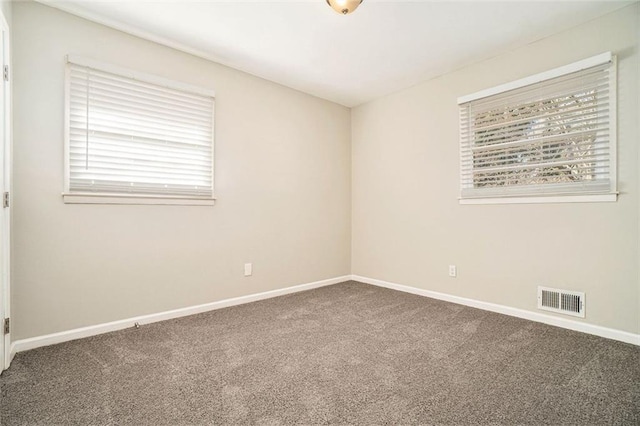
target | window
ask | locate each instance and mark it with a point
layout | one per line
(545, 138)
(136, 139)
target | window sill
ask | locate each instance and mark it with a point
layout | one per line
(89, 198)
(601, 198)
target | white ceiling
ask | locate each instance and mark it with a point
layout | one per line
(382, 47)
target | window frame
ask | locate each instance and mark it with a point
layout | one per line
(78, 197)
(548, 197)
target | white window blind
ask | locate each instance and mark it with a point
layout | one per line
(134, 135)
(548, 135)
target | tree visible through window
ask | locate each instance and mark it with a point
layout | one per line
(548, 138)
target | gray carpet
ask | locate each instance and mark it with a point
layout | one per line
(344, 354)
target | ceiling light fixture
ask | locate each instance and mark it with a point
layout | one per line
(344, 6)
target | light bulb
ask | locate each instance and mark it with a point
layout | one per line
(344, 6)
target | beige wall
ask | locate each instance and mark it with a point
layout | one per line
(5, 7)
(407, 225)
(282, 183)
(286, 177)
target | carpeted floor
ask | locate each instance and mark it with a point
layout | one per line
(344, 354)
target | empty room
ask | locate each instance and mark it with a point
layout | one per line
(320, 212)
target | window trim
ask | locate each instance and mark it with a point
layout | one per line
(593, 61)
(107, 198)
(70, 197)
(532, 199)
(577, 197)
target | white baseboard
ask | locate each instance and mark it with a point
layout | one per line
(583, 327)
(78, 333)
(12, 354)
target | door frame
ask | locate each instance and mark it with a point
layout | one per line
(5, 181)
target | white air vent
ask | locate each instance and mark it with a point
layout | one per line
(561, 301)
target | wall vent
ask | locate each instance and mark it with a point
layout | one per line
(561, 301)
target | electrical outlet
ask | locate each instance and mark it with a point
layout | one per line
(453, 271)
(248, 269)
